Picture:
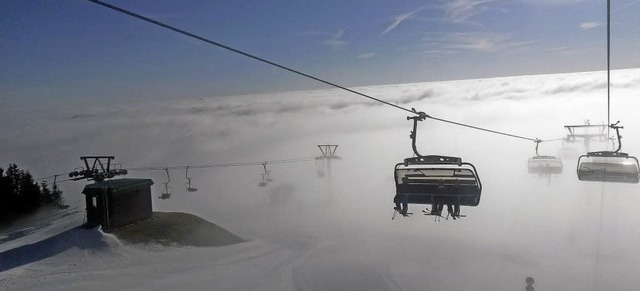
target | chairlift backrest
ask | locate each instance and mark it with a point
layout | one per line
(608, 166)
(544, 165)
(438, 179)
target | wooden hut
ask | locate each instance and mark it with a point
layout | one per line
(118, 202)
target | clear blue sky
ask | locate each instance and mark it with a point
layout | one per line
(76, 51)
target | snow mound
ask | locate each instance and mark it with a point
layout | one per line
(176, 228)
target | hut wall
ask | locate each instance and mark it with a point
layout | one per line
(125, 208)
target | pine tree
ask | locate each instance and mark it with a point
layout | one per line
(20, 194)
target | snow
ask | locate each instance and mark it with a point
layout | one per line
(310, 233)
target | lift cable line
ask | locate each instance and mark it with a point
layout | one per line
(185, 167)
(189, 34)
(245, 164)
(484, 129)
(181, 31)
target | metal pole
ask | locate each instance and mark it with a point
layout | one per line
(608, 65)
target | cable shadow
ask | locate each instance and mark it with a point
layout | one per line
(38, 224)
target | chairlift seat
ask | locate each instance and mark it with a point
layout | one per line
(544, 165)
(438, 179)
(607, 166)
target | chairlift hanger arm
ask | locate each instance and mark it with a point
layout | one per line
(617, 128)
(419, 117)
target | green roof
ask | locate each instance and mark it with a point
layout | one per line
(116, 186)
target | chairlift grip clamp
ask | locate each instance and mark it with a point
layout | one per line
(420, 115)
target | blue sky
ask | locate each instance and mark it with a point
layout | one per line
(58, 52)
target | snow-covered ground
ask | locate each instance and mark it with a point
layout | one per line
(311, 233)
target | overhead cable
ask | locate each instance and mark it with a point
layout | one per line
(178, 30)
(205, 166)
(189, 34)
(483, 129)
(244, 164)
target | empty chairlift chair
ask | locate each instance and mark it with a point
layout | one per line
(609, 166)
(544, 165)
(166, 194)
(265, 176)
(435, 180)
(190, 187)
(567, 152)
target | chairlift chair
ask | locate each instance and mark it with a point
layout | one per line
(166, 194)
(437, 180)
(434, 179)
(266, 176)
(547, 165)
(544, 165)
(567, 152)
(609, 166)
(190, 187)
(263, 182)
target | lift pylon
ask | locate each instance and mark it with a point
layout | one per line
(97, 168)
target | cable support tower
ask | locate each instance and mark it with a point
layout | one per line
(252, 56)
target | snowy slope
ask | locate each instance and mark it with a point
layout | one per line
(310, 233)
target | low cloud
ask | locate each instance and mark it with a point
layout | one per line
(336, 41)
(365, 56)
(589, 25)
(399, 19)
(482, 42)
(462, 10)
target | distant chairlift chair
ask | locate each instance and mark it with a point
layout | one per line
(609, 166)
(435, 180)
(190, 187)
(266, 172)
(166, 194)
(567, 152)
(544, 165)
(263, 182)
(265, 176)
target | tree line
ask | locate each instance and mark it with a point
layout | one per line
(20, 194)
